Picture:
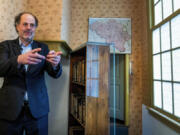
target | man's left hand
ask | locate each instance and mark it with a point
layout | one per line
(54, 57)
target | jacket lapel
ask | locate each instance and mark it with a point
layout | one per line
(16, 47)
(34, 45)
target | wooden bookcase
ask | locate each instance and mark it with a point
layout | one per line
(89, 90)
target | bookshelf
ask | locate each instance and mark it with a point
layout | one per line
(89, 90)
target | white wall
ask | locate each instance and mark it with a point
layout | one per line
(58, 90)
(152, 126)
(66, 21)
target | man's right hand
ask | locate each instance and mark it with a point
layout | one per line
(31, 57)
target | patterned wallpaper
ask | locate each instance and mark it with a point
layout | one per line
(146, 59)
(136, 10)
(8, 10)
(47, 11)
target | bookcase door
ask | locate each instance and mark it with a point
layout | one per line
(97, 90)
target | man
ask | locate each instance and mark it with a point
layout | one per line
(23, 97)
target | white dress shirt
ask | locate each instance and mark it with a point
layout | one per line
(25, 49)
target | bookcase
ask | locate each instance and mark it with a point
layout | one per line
(89, 90)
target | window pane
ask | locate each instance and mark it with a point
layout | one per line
(155, 1)
(176, 4)
(158, 13)
(166, 66)
(176, 99)
(175, 31)
(176, 65)
(167, 97)
(157, 94)
(156, 67)
(165, 37)
(167, 8)
(156, 41)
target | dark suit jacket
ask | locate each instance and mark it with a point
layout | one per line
(17, 81)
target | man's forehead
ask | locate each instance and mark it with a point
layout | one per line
(27, 17)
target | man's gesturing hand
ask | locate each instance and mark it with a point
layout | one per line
(54, 57)
(31, 57)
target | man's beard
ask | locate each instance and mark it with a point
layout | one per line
(28, 39)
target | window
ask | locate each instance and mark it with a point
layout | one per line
(165, 30)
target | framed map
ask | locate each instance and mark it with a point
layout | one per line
(114, 31)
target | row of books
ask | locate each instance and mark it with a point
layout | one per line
(78, 107)
(76, 130)
(79, 72)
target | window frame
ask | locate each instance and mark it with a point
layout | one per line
(152, 27)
